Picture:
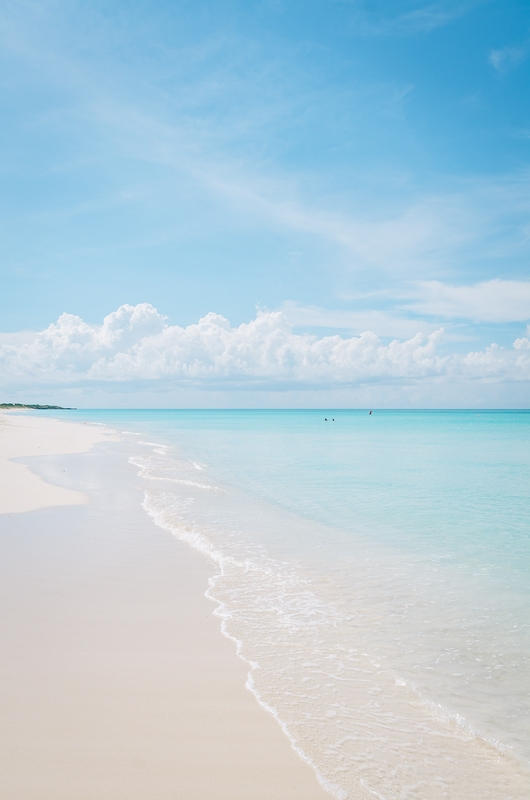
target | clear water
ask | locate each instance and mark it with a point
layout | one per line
(374, 571)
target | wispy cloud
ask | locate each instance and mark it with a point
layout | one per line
(432, 15)
(507, 58)
(374, 19)
(490, 301)
(384, 323)
(420, 231)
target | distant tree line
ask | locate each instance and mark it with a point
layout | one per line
(41, 408)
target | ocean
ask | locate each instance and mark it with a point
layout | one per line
(373, 571)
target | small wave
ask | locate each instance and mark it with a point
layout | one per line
(146, 472)
(183, 482)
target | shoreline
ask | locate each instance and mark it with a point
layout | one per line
(116, 679)
(299, 652)
(356, 719)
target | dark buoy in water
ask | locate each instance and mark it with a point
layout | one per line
(369, 413)
(325, 419)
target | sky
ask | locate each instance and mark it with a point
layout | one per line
(318, 203)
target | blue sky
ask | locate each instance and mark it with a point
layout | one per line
(357, 166)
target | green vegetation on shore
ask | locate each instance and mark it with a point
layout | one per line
(41, 408)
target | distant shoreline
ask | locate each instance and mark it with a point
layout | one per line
(35, 406)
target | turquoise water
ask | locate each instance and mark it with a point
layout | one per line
(377, 570)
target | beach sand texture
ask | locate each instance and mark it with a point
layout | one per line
(115, 680)
(21, 436)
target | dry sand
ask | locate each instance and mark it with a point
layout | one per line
(20, 436)
(115, 681)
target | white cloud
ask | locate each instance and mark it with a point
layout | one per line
(136, 344)
(17, 338)
(490, 301)
(354, 321)
(508, 57)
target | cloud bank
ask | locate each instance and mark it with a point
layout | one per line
(135, 344)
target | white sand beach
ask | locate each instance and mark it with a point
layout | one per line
(115, 679)
(20, 436)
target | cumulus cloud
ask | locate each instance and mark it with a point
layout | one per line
(135, 343)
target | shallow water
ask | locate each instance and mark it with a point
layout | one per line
(374, 572)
